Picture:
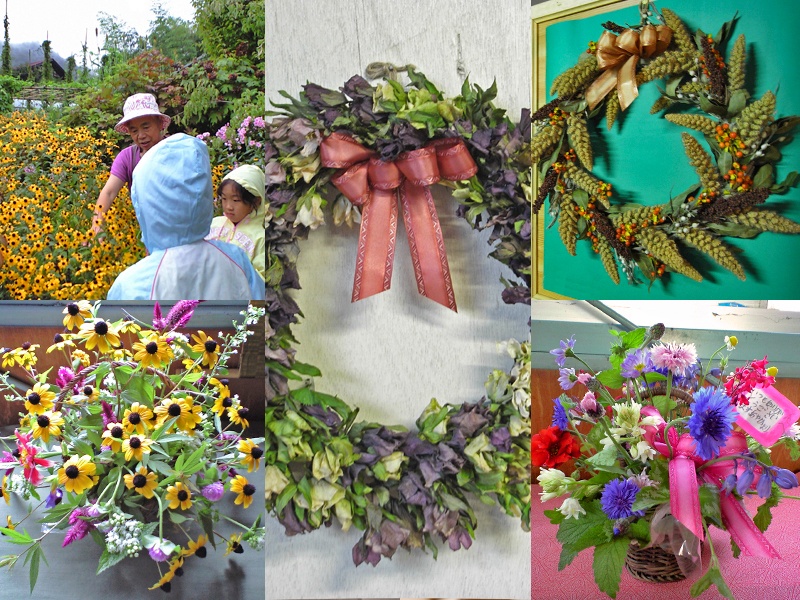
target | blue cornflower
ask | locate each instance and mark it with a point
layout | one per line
(711, 422)
(560, 419)
(567, 378)
(618, 497)
(636, 363)
(564, 351)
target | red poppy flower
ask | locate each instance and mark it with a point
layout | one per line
(552, 447)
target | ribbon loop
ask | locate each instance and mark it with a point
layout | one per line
(376, 186)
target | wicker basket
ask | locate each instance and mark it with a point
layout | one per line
(652, 564)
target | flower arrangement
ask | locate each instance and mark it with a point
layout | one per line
(671, 453)
(704, 93)
(133, 447)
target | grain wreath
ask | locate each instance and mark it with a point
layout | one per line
(401, 488)
(734, 179)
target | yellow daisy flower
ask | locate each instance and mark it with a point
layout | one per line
(251, 454)
(244, 489)
(77, 474)
(45, 425)
(165, 582)
(144, 482)
(170, 408)
(137, 419)
(100, 334)
(39, 399)
(4, 492)
(208, 347)
(179, 495)
(129, 325)
(113, 436)
(136, 447)
(60, 342)
(196, 547)
(234, 544)
(152, 351)
(238, 415)
(79, 357)
(76, 313)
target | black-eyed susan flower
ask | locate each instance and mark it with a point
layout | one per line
(113, 436)
(244, 490)
(79, 357)
(91, 393)
(234, 544)
(46, 424)
(137, 419)
(208, 346)
(77, 474)
(143, 481)
(9, 359)
(129, 325)
(99, 334)
(196, 547)
(76, 313)
(39, 399)
(4, 491)
(179, 495)
(152, 351)
(136, 447)
(238, 415)
(251, 454)
(179, 408)
(175, 569)
(61, 342)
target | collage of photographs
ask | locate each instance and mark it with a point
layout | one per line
(486, 300)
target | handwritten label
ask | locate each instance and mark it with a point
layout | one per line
(768, 416)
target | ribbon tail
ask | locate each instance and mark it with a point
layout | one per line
(426, 243)
(626, 82)
(684, 499)
(601, 87)
(742, 529)
(376, 241)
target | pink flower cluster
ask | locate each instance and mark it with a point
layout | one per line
(745, 379)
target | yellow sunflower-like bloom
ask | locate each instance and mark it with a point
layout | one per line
(79, 357)
(196, 547)
(251, 454)
(181, 408)
(165, 582)
(9, 359)
(244, 489)
(60, 342)
(137, 419)
(179, 495)
(136, 447)
(77, 474)
(39, 399)
(234, 544)
(46, 424)
(152, 351)
(208, 346)
(76, 313)
(99, 334)
(144, 482)
(238, 415)
(129, 326)
(113, 436)
(4, 492)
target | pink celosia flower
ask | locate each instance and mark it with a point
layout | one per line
(79, 528)
(64, 377)
(676, 358)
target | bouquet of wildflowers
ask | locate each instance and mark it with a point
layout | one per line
(663, 446)
(130, 446)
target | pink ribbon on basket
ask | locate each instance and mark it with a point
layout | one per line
(376, 186)
(683, 486)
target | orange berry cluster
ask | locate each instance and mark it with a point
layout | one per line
(586, 213)
(738, 179)
(626, 232)
(592, 47)
(557, 116)
(717, 57)
(704, 197)
(729, 140)
(605, 188)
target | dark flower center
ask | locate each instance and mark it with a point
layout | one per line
(243, 412)
(135, 442)
(34, 398)
(139, 480)
(101, 328)
(256, 452)
(166, 587)
(174, 410)
(237, 548)
(58, 338)
(15, 453)
(227, 403)
(249, 489)
(43, 421)
(26, 346)
(88, 390)
(210, 346)
(183, 495)
(201, 552)
(116, 432)
(72, 471)
(134, 418)
(179, 572)
(73, 309)
(224, 381)
(152, 348)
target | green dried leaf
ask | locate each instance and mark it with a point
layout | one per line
(765, 176)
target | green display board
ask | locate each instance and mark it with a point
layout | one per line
(643, 156)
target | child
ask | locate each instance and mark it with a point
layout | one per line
(241, 193)
(146, 125)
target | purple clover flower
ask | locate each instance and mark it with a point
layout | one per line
(213, 491)
(564, 351)
(618, 498)
(157, 553)
(711, 422)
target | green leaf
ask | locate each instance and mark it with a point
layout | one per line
(306, 369)
(109, 559)
(765, 176)
(304, 396)
(566, 557)
(725, 31)
(640, 530)
(36, 555)
(676, 202)
(607, 457)
(633, 339)
(734, 230)
(653, 377)
(650, 496)
(581, 198)
(609, 558)
(735, 549)
(737, 102)
(791, 180)
(664, 404)
(611, 378)
(764, 513)
(724, 162)
(591, 529)
(709, 503)
(786, 124)
(16, 537)
(713, 575)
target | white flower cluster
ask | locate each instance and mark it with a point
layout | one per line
(256, 539)
(16, 484)
(123, 535)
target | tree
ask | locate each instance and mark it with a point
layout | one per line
(71, 66)
(174, 37)
(121, 42)
(6, 68)
(47, 66)
(231, 27)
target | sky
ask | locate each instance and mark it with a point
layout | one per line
(66, 22)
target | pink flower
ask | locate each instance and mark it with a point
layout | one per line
(28, 460)
(79, 528)
(745, 379)
(676, 358)
(64, 377)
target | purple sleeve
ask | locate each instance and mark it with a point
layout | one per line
(124, 164)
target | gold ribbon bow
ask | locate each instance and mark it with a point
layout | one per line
(617, 57)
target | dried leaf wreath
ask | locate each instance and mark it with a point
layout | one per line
(737, 177)
(401, 488)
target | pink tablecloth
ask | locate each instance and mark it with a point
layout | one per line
(748, 578)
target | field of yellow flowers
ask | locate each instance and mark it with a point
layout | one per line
(50, 177)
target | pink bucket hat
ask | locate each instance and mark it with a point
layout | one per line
(140, 105)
